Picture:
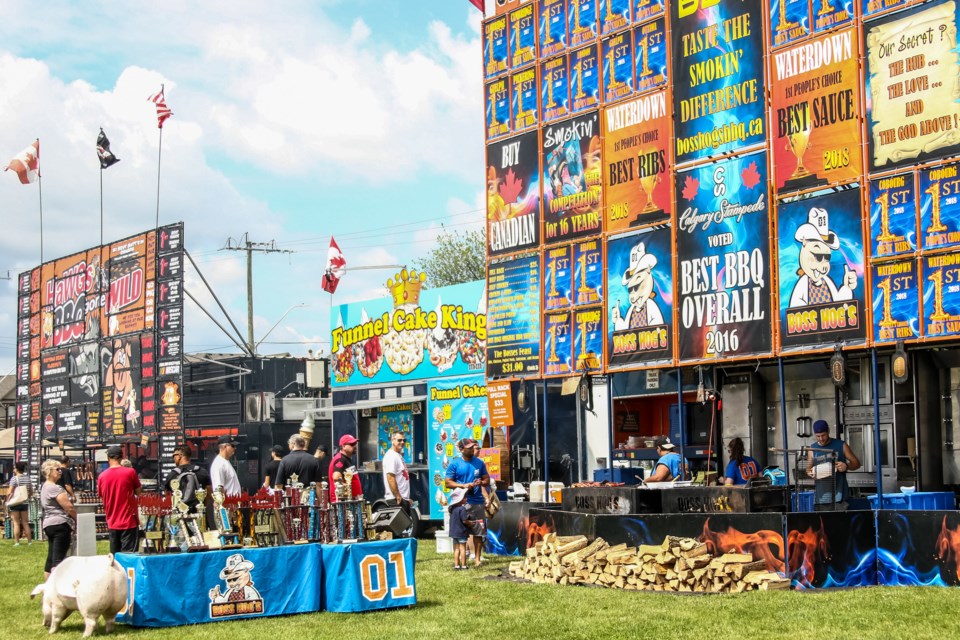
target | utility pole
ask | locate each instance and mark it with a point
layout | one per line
(244, 244)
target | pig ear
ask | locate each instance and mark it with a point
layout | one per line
(110, 558)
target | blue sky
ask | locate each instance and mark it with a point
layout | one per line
(361, 119)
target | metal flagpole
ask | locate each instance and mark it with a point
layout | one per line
(101, 203)
(159, 154)
(40, 191)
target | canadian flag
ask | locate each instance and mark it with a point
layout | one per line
(336, 267)
(27, 163)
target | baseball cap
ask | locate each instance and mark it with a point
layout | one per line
(663, 442)
(347, 439)
(466, 442)
(821, 426)
(227, 440)
(115, 452)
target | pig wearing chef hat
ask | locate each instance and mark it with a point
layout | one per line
(95, 586)
(817, 244)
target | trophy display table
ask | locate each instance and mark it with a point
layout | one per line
(188, 588)
(367, 576)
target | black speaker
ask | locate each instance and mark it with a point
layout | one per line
(392, 519)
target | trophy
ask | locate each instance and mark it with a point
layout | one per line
(825, 8)
(648, 182)
(151, 522)
(797, 143)
(221, 516)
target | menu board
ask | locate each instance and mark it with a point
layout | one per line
(513, 317)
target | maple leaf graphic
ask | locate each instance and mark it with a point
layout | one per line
(750, 176)
(690, 187)
(511, 188)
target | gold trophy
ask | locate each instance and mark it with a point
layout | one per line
(938, 315)
(887, 321)
(648, 183)
(884, 202)
(797, 143)
(825, 8)
(936, 226)
(782, 24)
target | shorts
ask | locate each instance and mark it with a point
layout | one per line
(19, 507)
(460, 540)
(476, 512)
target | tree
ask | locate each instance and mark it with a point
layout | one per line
(455, 259)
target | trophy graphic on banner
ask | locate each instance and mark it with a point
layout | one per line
(643, 45)
(887, 321)
(797, 142)
(884, 202)
(553, 344)
(825, 8)
(938, 315)
(577, 27)
(936, 226)
(783, 24)
(648, 182)
(614, 83)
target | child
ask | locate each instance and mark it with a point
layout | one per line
(459, 527)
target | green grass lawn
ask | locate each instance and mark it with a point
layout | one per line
(450, 606)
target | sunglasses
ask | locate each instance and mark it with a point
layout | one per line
(821, 257)
(400, 440)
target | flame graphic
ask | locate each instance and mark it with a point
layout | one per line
(948, 545)
(534, 531)
(806, 548)
(764, 544)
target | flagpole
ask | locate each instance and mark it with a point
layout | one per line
(101, 204)
(159, 154)
(40, 192)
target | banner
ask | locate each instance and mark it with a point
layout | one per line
(822, 297)
(552, 27)
(495, 50)
(555, 88)
(723, 253)
(587, 272)
(573, 188)
(456, 408)
(523, 37)
(636, 176)
(368, 576)
(789, 21)
(513, 194)
(500, 403)
(896, 301)
(617, 51)
(939, 207)
(643, 9)
(941, 295)
(614, 15)
(871, 7)
(912, 66)
(588, 339)
(640, 286)
(497, 101)
(893, 216)
(816, 109)
(558, 277)
(584, 78)
(523, 99)
(558, 343)
(415, 333)
(718, 94)
(513, 303)
(582, 21)
(650, 53)
(832, 13)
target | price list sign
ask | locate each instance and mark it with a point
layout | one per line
(513, 317)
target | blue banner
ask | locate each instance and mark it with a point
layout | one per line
(582, 21)
(555, 88)
(789, 20)
(523, 37)
(617, 53)
(822, 292)
(832, 13)
(896, 301)
(552, 27)
(416, 333)
(941, 295)
(893, 215)
(495, 50)
(940, 207)
(189, 588)
(584, 78)
(557, 344)
(557, 277)
(588, 339)
(614, 15)
(643, 9)
(650, 54)
(587, 272)
(368, 576)
(640, 285)
(513, 292)
(456, 408)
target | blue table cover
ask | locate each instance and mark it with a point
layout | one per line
(369, 575)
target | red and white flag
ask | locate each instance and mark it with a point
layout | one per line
(336, 267)
(27, 163)
(163, 111)
(477, 3)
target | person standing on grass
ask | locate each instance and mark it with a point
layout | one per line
(119, 487)
(59, 516)
(470, 473)
(20, 513)
(460, 524)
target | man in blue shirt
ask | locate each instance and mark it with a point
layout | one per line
(668, 464)
(830, 459)
(469, 472)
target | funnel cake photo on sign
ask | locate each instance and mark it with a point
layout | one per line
(403, 349)
(442, 343)
(343, 366)
(368, 353)
(473, 350)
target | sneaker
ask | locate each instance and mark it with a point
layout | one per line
(16, 544)
(29, 542)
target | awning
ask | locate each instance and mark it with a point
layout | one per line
(373, 404)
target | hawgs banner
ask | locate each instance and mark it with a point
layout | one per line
(497, 101)
(573, 182)
(912, 66)
(523, 37)
(513, 194)
(832, 14)
(640, 285)
(636, 177)
(555, 88)
(617, 66)
(513, 294)
(723, 250)
(588, 339)
(941, 295)
(821, 270)
(74, 295)
(650, 53)
(816, 106)
(614, 15)
(584, 79)
(558, 344)
(523, 91)
(414, 334)
(718, 90)
(896, 301)
(582, 21)
(495, 49)
(553, 27)
(557, 277)
(940, 207)
(893, 216)
(789, 20)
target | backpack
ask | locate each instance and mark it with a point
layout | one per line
(189, 484)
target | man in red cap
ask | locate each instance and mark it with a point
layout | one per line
(342, 466)
(469, 473)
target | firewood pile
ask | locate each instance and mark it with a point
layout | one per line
(678, 565)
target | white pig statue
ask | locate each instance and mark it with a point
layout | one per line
(95, 586)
